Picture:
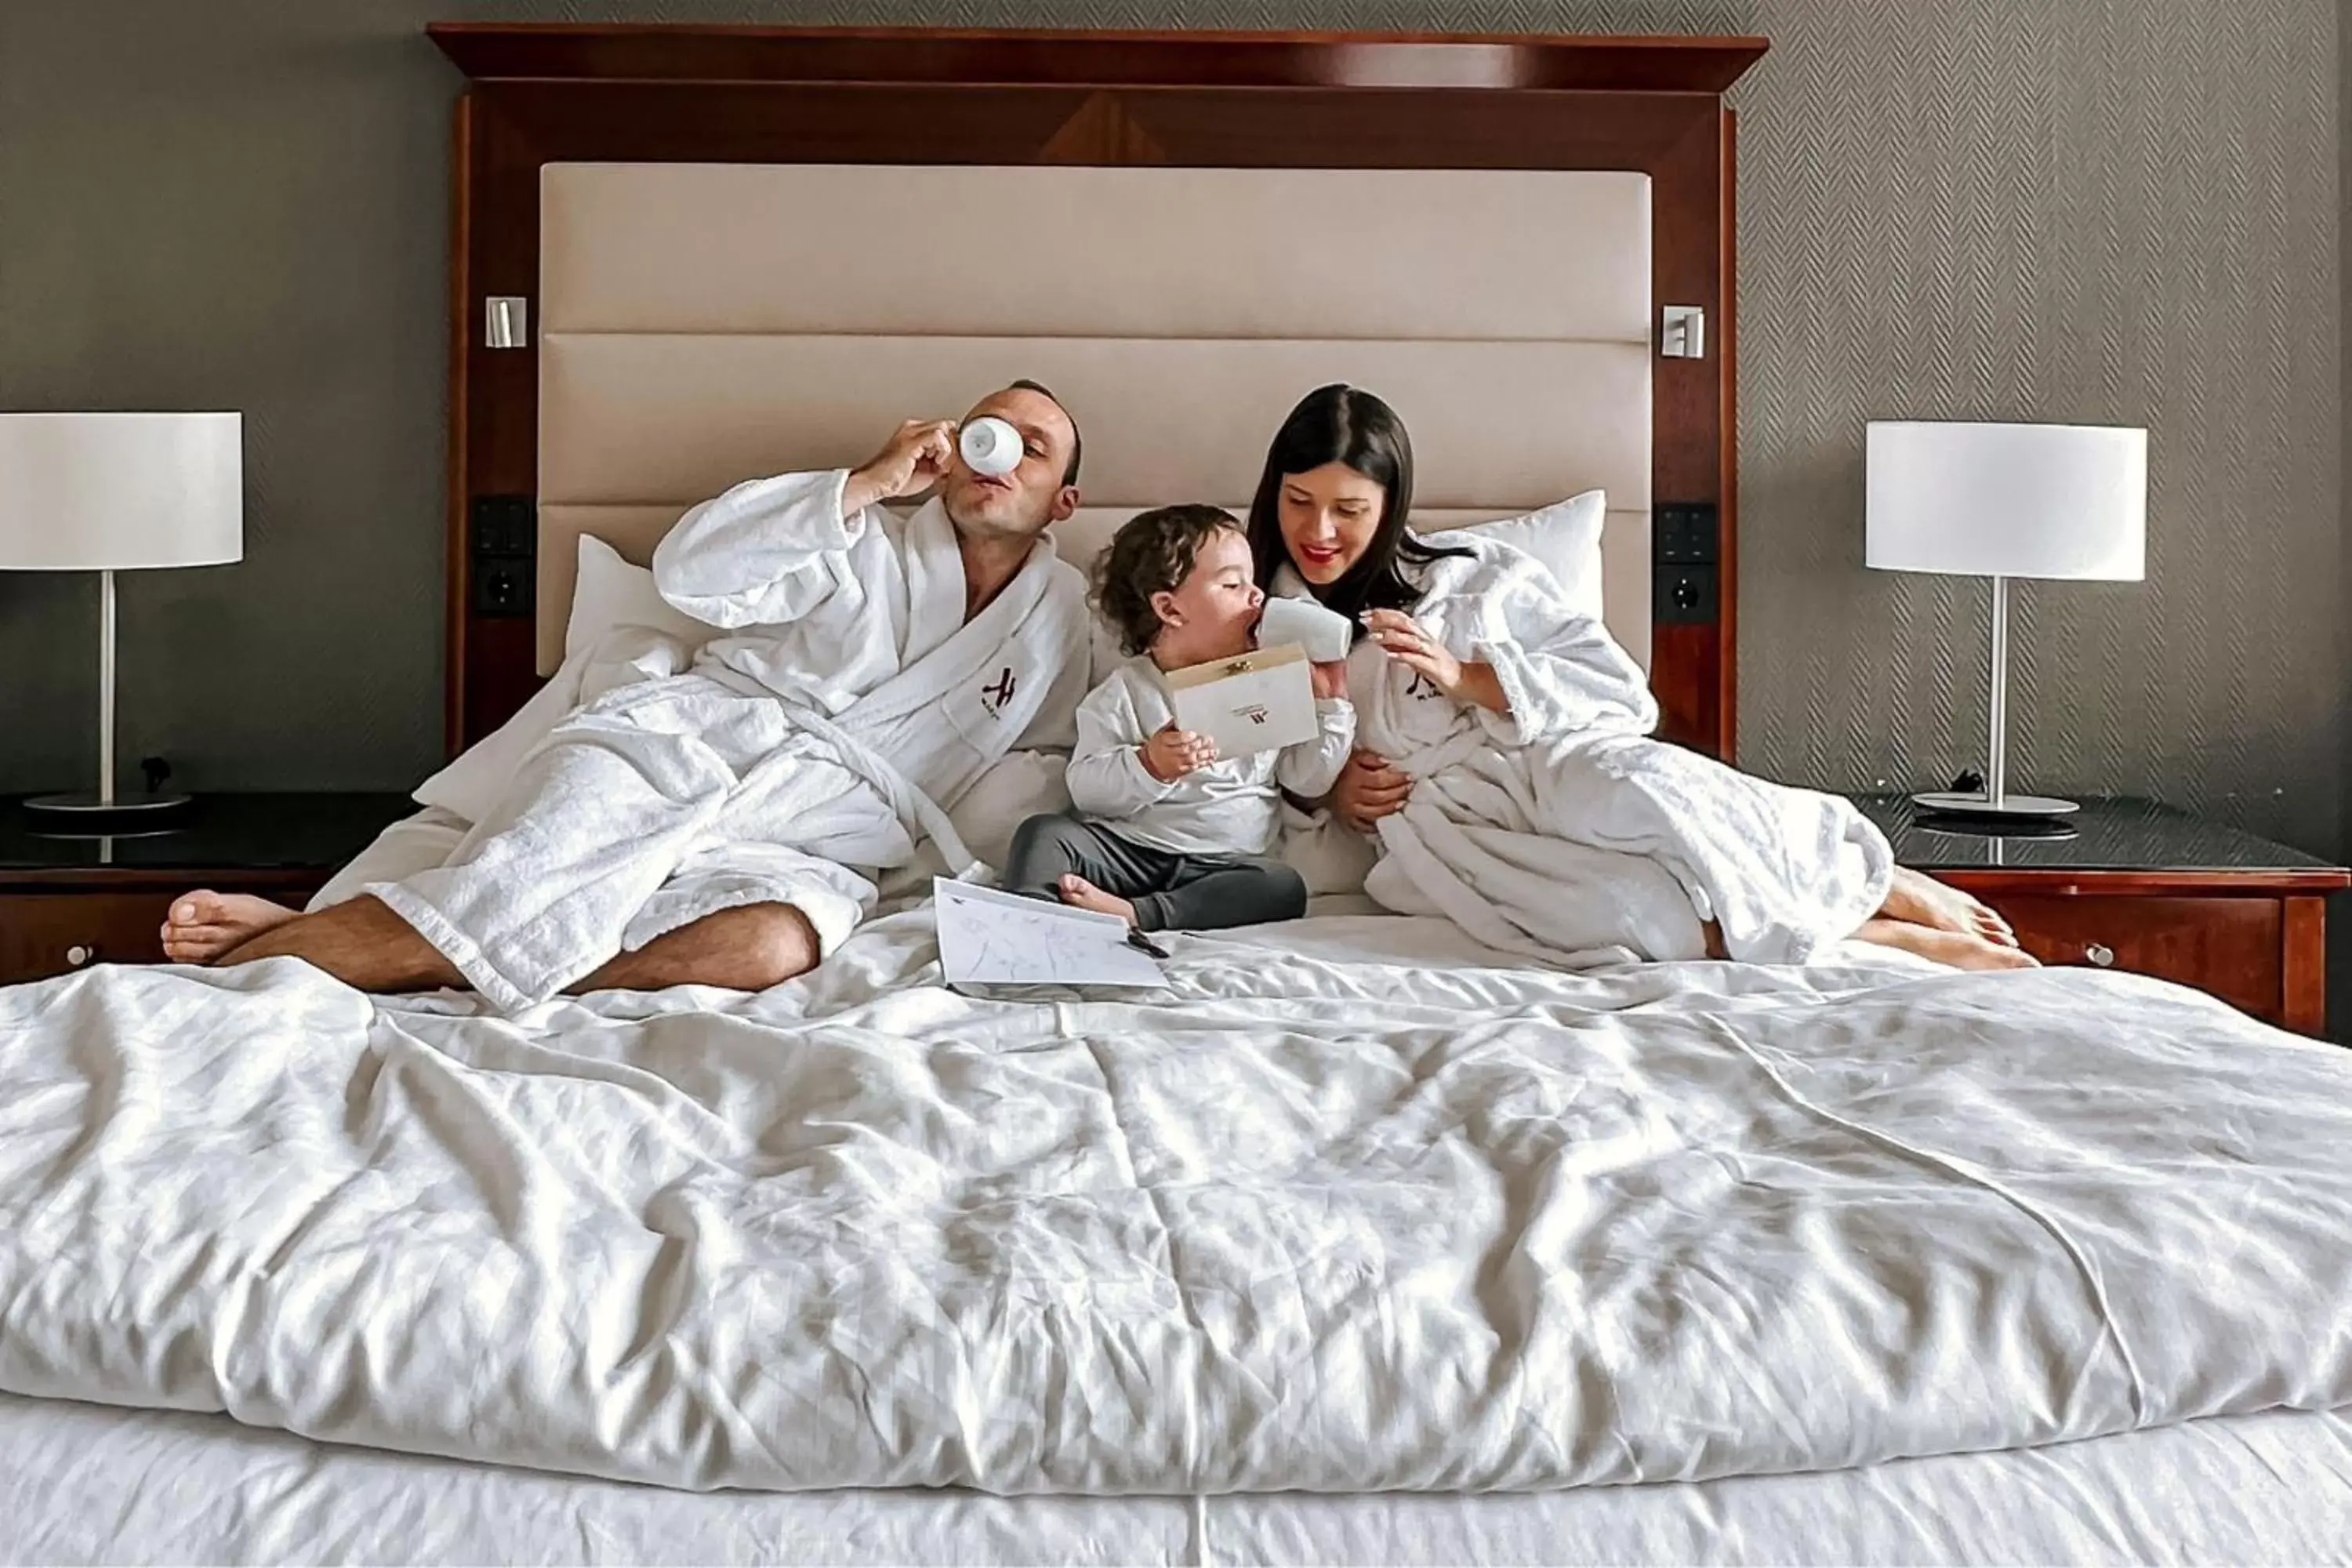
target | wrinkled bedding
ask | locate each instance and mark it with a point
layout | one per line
(84, 1483)
(1349, 1207)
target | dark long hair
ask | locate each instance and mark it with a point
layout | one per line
(1342, 424)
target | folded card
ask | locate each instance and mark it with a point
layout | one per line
(1256, 702)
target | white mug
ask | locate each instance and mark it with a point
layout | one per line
(990, 445)
(1324, 634)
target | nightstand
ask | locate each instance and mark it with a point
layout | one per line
(68, 902)
(2143, 887)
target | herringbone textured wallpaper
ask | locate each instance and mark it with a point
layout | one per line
(2096, 210)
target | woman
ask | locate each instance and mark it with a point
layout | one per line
(1507, 766)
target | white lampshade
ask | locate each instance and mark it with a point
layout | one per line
(2008, 501)
(90, 492)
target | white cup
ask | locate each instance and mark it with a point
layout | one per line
(990, 445)
(1324, 634)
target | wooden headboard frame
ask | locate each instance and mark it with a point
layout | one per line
(561, 93)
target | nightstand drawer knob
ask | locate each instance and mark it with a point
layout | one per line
(2100, 953)
(79, 955)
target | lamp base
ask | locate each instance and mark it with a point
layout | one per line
(2031, 806)
(59, 808)
(1997, 830)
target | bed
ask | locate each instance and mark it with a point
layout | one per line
(1849, 1264)
(1359, 1242)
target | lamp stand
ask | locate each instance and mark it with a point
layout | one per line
(58, 809)
(1996, 800)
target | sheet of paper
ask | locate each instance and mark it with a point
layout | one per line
(993, 938)
(1255, 703)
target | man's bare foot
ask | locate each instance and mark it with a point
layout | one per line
(1922, 900)
(1961, 949)
(361, 944)
(1079, 893)
(203, 925)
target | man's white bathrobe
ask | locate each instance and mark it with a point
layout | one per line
(809, 747)
(1561, 828)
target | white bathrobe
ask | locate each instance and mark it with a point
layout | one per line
(798, 757)
(1560, 827)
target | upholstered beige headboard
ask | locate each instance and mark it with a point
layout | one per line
(705, 323)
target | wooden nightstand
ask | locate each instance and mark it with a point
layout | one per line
(68, 902)
(2143, 887)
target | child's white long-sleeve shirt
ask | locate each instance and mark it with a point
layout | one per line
(1233, 806)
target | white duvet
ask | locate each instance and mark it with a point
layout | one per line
(1310, 1219)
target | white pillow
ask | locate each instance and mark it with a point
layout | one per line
(610, 592)
(1564, 536)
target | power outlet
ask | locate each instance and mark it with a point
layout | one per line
(1685, 554)
(502, 589)
(503, 549)
(1686, 597)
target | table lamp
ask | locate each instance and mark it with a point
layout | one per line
(2002, 502)
(117, 492)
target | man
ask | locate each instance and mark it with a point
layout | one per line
(717, 827)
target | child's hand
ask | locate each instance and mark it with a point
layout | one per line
(1330, 680)
(1171, 753)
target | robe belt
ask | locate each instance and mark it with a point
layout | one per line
(916, 811)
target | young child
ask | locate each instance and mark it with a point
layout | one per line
(1166, 834)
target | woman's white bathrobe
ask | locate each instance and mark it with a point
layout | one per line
(1562, 827)
(808, 747)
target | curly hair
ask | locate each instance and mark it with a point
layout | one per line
(1152, 553)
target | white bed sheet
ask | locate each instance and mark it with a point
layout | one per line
(2178, 1086)
(83, 1483)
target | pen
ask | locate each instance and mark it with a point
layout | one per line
(1135, 939)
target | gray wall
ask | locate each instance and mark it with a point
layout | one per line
(2058, 209)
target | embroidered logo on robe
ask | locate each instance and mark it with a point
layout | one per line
(998, 692)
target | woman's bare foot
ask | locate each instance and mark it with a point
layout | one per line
(204, 924)
(1079, 893)
(1922, 900)
(1961, 949)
